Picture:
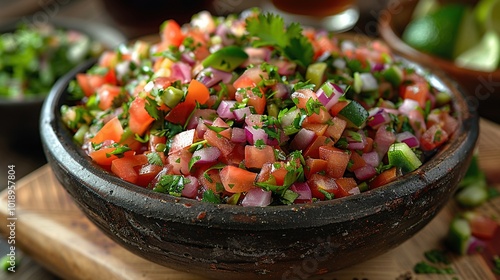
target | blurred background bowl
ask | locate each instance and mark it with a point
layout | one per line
(234, 242)
(20, 117)
(482, 88)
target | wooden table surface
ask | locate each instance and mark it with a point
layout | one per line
(51, 229)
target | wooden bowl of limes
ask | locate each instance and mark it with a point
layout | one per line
(461, 39)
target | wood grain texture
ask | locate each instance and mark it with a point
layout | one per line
(52, 230)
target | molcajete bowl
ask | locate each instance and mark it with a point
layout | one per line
(277, 242)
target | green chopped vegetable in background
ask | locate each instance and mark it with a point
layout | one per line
(425, 268)
(32, 58)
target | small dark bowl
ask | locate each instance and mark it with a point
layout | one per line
(23, 115)
(276, 242)
(482, 88)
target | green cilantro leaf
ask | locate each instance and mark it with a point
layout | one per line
(154, 159)
(171, 184)
(270, 30)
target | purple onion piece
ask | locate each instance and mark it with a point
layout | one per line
(257, 197)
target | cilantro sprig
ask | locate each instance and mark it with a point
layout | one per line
(270, 30)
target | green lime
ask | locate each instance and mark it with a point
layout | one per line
(485, 56)
(436, 33)
(468, 33)
(482, 11)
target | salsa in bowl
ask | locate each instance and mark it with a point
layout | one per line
(309, 215)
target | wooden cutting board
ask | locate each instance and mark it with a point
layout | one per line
(52, 230)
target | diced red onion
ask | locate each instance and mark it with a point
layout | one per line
(182, 140)
(256, 56)
(475, 245)
(188, 57)
(377, 67)
(241, 113)
(302, 139)
(354, 144)
(372, 158)
(201, 128)
(328, 102)
(254, 134)
(222, 30)
(257, 197)
(408, 138)
(369, 83)
(206, 155)
(285, 68)
(381, 117)
(281, 90)
(205, 114)
(407, 106)
(210, 76)
(191, 189)
(303, 190)
(254, 120)
(354, 191)
(384, 137)
(366, 172)
(238, 135)
(181, 71)
(224, 109)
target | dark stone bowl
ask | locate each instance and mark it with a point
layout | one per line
(281, 242)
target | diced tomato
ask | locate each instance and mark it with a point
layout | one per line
(147, 173)
(313, 166)
(318, 128)
(180, 161)
(237, 180)
(337, 107)
(124, 167)
(256, 157)
(139, 120)
(434, 137)
(272, 173)
(171, 34)
(483, 227)
(321, 184)
(256, 100)
(345, 186)
(356, 161)
(155, 140)
(211, 180)
(89, 82)
(337, 160)
(369, 145)
(250, 78)
(227, 132)
(180, 113)
(313, 149)
(303, 96)
(223, 144)
(418, 91)
(104, 157)
(107, 93)
(383, 178)
(336, 129)
(197, 92)
(112, 130)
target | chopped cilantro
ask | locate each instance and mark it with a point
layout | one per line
(210, 196)
(192, 161)
(154, 159)
(425, 268)
(290, 42)
(171, 184)
(119, 151)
